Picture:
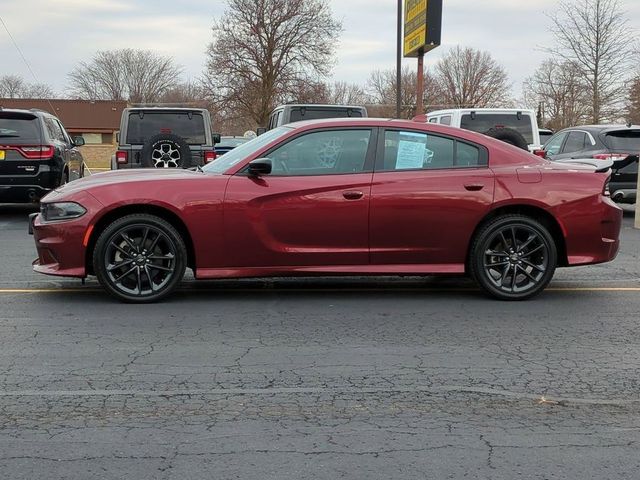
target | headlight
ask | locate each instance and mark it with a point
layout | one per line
(55, 211)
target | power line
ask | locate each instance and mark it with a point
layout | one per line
(15, 44)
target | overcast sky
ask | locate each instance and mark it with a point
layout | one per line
(54, 35)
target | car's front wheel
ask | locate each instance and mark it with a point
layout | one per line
(513, 257)
(139, 258)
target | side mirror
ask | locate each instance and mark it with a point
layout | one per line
(216, 138)
(260, 130)
(259, 167)
(78, 141)
(540, 153)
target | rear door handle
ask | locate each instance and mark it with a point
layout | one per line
(352, 195)
(474, 187)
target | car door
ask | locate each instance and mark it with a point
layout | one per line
(312, 210)
(553, 147)
(73, 154)
(429, 192)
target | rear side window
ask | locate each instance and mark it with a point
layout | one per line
(446, 120)
(305, 113)
(405, 150)
(482, 122)
(20, 128)
(188, 126)
(628, 140)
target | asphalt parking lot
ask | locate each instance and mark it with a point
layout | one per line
(319, 378)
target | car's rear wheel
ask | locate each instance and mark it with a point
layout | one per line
(139, 258)
(513, 257)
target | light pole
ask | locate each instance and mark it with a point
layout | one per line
(399, 63)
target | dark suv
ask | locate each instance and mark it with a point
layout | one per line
(617, 143)
(36, 155)
(161, 137)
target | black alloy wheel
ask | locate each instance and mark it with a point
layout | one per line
(140, 258)
(513, 257)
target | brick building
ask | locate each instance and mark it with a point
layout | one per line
(96, 121)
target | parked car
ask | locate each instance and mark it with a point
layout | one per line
(161, 137)
(228, 143)
(516, 126)
(618, 143)
(36, 155)
(335, 197)
(290, 113)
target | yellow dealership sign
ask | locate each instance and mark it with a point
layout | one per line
(422, 26)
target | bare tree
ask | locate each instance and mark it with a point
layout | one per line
(560, 92)
(633, 113)
(382, 92)
(14, 86)
(471, 78)
(135, 75)
(262, 49)
(594, 35)
(344, 93)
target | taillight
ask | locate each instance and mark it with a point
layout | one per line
(34, 152)
(121, 157)
(209, 157)
(540, 153)
(605, 189)
(611, 156)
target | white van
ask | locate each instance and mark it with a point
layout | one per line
(516, 126)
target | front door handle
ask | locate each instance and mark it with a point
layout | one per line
(352, 195)
(474, 187)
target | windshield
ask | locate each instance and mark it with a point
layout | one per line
(238, 154)
(482, 122)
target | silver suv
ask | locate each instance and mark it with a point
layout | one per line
(160, 137)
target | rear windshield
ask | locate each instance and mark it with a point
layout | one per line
(628, 140)
(20, 128)
(306, 113)
(189, 127)
(482, 122)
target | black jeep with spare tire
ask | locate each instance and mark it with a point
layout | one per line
(164, 137)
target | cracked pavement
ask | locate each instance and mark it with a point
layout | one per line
(319, 378)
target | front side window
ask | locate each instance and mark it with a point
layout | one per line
(552, 147)
(446, 120)
(421, 151)
(326, 152)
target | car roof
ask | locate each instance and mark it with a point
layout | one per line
(322, 105)
(31, 111)
(601, 128)
(480, 110)
(173, 109)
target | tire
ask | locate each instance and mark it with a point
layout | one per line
(508, 135)
(139, 258)
(165, 151)
(493, 259)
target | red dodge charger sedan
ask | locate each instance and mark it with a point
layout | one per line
(335, 197)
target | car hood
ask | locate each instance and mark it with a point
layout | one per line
(127, 176)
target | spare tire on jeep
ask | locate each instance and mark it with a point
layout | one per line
(166, 150)
(508, 135)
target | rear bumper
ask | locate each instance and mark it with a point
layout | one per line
(22, 193)
(595, 235)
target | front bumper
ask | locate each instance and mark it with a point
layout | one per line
(62, 246)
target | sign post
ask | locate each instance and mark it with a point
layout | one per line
(637, 222)
(422, 32)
